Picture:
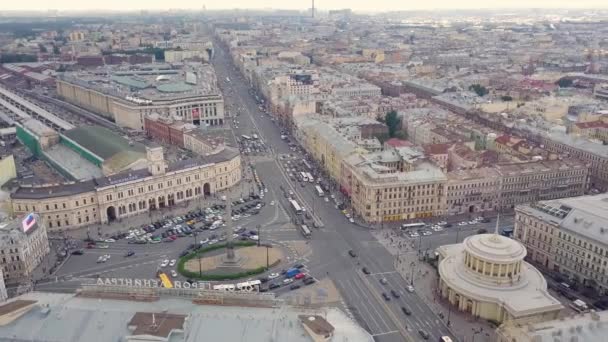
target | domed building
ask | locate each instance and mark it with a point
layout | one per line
(486, 276)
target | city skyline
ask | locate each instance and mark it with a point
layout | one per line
(358, 5)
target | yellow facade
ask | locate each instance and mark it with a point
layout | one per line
(8, 170)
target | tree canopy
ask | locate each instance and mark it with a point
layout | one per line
(479, 89)
(392, 122)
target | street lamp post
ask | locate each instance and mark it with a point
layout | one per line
(259, 238)
(200, 264)
(412, 264)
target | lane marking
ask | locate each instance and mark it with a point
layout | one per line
(386, 333)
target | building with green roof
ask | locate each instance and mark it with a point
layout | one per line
(111, 152)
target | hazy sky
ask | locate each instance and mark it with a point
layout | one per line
(362, 5)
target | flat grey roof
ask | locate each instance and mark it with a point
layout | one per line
(76, 319)
(585, 215)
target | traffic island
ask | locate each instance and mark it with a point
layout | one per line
(208, 263)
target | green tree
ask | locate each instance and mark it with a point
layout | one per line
(42, 48)
(479, 89)
(564, 83)
(56, 50)
(392, 122)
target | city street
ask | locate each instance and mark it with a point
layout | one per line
(330, 244)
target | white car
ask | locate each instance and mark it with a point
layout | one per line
(463, 223)
(165, 263)
(109, 240)
(265, 190)
(326, 199)
(426, 233)
(414, 235)
(101, 259)
(173, 273)
(287, 281)
(271, 202)
(351, 220)
(213, 242)
(410, 288)
(273, 275)
(107, 256)
(202, 242)
(254, 237)
(172, 263)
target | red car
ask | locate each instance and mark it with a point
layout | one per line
(173, 237)
(300, 276)
(90, 245)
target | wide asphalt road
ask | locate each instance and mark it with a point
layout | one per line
(330, 245)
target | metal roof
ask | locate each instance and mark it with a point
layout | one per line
(102, 142)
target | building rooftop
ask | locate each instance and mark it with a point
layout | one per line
(79, 168)
(144, 84)
(68, 318)
(103, 142)
(494, 247)
(591, 326)
(585, 215)
(579, 143)
(60, 190)
(526, 296)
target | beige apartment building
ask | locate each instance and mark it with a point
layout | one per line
(543, 180)
(591, 153)
(106, 199)
(23, 245)
(569, 236)
(398, 190)
(472, 191)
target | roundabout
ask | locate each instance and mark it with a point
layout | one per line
(210, 263)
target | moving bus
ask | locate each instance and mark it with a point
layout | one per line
(296, 207)
(249, 286)
(304, 177)
(305, 231)
(246, 137)
(413, 226)
(224, 287)
(319, 191)
(310, 177)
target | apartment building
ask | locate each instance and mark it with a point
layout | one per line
(591, 153)
(384, 188)
(472, 191)
(23, 245)
(569, 236)
(543, 180)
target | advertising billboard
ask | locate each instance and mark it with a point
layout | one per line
(28, 222)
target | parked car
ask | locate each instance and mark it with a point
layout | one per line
(395, 294)
(129, 253)
(385, 296)
(406, 310)
(352, 253)
(365, 270)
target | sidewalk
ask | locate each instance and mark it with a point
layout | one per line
(426, 280)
